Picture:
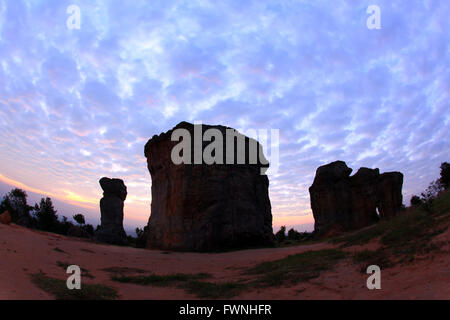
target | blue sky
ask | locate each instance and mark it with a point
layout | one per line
(79, 104)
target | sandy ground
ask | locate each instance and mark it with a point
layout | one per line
(24, 252)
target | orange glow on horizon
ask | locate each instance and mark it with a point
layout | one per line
(70, 197)
(279, 221)
(134, 207)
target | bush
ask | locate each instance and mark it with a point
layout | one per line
(89, 228)
(428, 196)
(141, 237)
(281, 234)
(64, 226)
(293, 234)
(16, 203)
(415, 201)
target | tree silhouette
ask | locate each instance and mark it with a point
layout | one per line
(415, 201)
(293, 234)
(46, 216)
(16, 203)
(79, 218)
(281, 234)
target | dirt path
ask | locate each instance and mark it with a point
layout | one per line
(24, 252)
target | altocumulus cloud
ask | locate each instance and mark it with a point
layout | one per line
(76, 105)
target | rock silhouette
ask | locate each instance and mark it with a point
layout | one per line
(5, 218)
(341, 202)
(206, 207)
(111, 209)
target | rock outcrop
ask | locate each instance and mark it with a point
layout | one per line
(390, 198)
(5, 218)
(111, 208)
(207, 207)
(341, 202)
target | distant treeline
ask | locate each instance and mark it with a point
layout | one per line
(43, 216)
(426, 198)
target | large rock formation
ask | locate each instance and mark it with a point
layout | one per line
(341, 202)
(390, 198)
(206, 207)
(111, 208)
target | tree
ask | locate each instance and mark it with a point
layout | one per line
(46, 216)
(79, 218)
(141, 237)
(64, 226)
(16, 203)
(415, 201)
(139, 232)
(445, 175)
(430, 194)
(89, 228)
(293, 234)
(281, 234)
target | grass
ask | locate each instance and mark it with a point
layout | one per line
(411, 234)
(123, 270)
(160, 280)
(360, 237)
(295, 268)
(404, 236)
(191, 283)
(366, 258)
(415, 223)
(210, 290)
(406, 228)
(65, 265)
(291, 243)
(441, 205)
(59, 290)
(292, 269)
(59, 250)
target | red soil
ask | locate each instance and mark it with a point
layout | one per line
(24, 252)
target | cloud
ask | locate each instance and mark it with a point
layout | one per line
(76, 105)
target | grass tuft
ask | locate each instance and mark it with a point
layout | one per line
(59, 250)
(295, 268)
(160, 280)
(123, 270)
(210, 290)
(59, 290)
(65, 265)
(360, 237)
(366, 258)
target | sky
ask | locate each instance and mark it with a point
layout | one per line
(77, 104)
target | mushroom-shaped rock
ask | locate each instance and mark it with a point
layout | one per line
(111, 209)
